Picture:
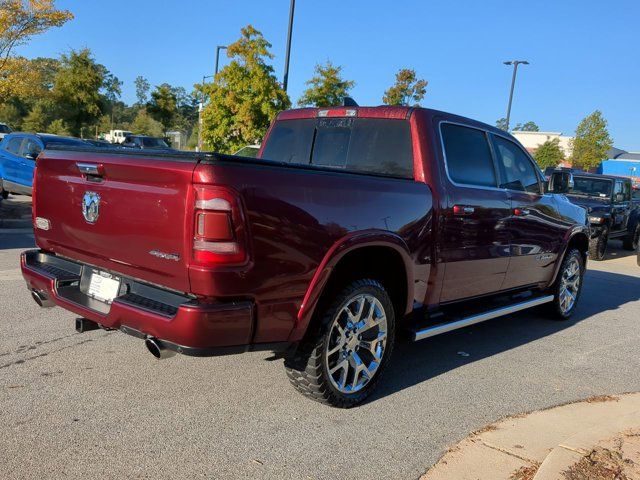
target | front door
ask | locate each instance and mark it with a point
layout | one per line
(11, 161)
(29, 152)
(474, 242)
(536, 230)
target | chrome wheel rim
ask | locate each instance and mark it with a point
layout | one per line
(356, 343)
(569, 285)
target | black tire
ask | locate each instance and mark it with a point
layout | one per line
(3, 193)
(308, 367)
(598, 245)
(556, 308)
(630, 242)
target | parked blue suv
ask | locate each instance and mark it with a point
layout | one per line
(18, 153)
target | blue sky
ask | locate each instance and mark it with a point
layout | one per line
(584, 54)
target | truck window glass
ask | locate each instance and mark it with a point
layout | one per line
(290, 141)
(468, 156)
(593, 187)
(517, 169)
(381, 146)
(332, 143)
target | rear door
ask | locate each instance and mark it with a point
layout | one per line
(132, 215)
(474, 243)
(535, 228)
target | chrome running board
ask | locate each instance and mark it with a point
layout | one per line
(434, 330)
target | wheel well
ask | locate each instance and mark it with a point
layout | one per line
(581, 242)
(383, 264)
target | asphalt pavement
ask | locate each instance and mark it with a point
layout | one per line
(98, 405)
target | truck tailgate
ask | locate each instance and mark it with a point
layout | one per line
(140, 222)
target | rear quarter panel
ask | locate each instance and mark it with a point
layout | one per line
(296, 217)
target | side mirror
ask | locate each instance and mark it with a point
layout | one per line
(31, 156)
(619, 197)
(561, 182)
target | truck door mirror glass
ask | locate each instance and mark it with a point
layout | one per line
(561, 182)
(619, 197)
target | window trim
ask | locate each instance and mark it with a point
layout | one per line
(531, 161)
(491, 153)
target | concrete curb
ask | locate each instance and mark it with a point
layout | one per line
(545, 442)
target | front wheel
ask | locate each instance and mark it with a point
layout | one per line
(598, 245)
(342, 360)
(632, 240)
(567, 287)
(3, 193)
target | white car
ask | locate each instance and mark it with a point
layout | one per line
(4, 130)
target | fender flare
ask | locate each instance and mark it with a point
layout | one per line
(577, 230)
(349, 243)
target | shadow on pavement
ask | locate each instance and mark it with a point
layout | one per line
(16, 239)
(414, 363)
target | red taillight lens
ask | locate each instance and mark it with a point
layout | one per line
(219, 227)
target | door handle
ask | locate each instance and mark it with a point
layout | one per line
(463, 210)
(91, 171)
(520, 212)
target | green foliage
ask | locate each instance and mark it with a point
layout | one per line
(76, 89)
(501, 123)
(591, 142)
(326, 88)
(37, 119)
(19, 21)
(163, 106)
(245, 96)
(11, 115)
(144, 124)
(527, 127)
(407, 90)
(142, 89)
(549, 154)
(58, 127)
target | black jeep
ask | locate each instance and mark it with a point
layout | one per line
(613, 206)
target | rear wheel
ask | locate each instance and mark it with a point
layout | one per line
(632, 240)
(567, 287)
(343, 359)
(598, 245)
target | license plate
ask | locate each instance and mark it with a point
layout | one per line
(103, 286)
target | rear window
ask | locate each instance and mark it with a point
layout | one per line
(368, 145)
(468, 156)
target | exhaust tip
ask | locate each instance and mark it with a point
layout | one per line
(41, 299)
(157, 349)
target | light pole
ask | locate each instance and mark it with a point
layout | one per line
(285, 80)
(218, 48)
(515, 64)
(200, 107)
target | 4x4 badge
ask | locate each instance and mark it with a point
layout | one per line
(91, 206)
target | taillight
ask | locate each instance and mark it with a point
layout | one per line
(218, 232)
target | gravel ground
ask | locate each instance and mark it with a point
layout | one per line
(97, 405)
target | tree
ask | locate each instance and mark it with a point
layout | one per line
(549, 154)
(244, 97)
(326, 87)
(19, 21)
(407, 90)
(143, 124)
(142, 89)
(501, 123)
(37, 119)
(163, 106)
(58, 127)
(76, 89)
(527, 127)
(591, 141)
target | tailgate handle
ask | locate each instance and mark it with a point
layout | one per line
(93, 171)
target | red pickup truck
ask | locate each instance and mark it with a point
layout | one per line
(352, 225)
